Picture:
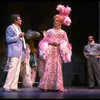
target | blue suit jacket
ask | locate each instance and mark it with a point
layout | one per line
(14, 43)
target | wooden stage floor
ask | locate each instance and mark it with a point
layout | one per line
(35, 93)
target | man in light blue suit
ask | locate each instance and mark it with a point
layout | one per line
(15, 46)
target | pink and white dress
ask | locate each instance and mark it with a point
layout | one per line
(54, 56)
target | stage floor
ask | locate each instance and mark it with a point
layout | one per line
(35, 93)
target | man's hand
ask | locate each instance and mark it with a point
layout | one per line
(21, 35)
(97, 56)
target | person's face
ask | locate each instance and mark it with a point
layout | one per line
(18, 21)
(90, 39)
(44, 33)
(57, 23)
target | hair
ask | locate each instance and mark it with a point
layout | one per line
(58, 17)
(92, 37)
(14, 17)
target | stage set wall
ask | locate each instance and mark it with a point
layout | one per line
(39, 14)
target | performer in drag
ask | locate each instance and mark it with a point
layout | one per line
(55, 49)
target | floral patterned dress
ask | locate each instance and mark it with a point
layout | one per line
(54, 56)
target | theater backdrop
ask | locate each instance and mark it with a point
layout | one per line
(38, 15)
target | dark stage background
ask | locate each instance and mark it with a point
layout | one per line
(39, 14)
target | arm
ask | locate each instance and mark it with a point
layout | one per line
(98, 56)
(11, 36)
(99, 49)
(65, 37)
(85, 52)
(65, 48)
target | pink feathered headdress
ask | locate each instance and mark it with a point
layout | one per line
(64, 14)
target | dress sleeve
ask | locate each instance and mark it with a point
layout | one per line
(65, 49)
(43, 48)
